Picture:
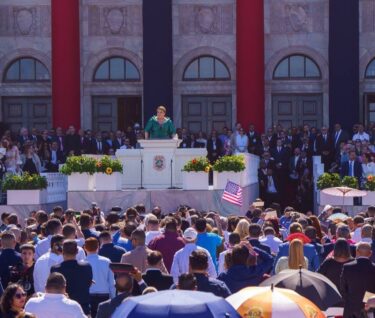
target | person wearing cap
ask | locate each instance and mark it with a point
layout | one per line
(180, 263)
(124, 284)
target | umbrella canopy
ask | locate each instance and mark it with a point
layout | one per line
(314, 286)
(269, 302)
(338, 216)
(344, 191)
(176, 304)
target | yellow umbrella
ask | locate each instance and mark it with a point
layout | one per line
(270, 302)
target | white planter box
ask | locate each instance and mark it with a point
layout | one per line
(221, 179)
(194, 180)
(80, 182)
(23, 197)
(105, 182)
(369, 199)
(324, 199)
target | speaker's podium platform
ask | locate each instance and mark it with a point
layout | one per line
(158, 165)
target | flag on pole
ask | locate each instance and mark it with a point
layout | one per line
(233, 193)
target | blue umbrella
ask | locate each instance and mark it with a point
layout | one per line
(176, 304)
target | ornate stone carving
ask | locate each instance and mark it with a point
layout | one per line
(292, 17)
(196, 19)
(297, 16)
(25, 21)
(116, 21)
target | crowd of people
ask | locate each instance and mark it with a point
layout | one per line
(85, 263)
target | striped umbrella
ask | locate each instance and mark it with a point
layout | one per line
(269, 302)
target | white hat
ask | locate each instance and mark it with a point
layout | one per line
(327, 207)
(190, 234)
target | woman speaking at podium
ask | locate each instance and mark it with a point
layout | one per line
(159, 126)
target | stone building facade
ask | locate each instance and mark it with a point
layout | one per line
(212, 86)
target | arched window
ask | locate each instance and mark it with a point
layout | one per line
(26, 69)
(116, 69)
(297, 67)
(206, 68)
(370, 70)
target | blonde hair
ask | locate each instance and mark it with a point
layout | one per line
(296, 257)
(162, 108)
(242, 229)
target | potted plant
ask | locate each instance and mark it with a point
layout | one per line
(228, 168)
(25, 189)
(80, 170)
(328, 180)
(369, 185)
(350, 182)
(195, 174)
(108, 174)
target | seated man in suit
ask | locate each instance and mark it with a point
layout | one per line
(56, 157)
(357, 278)
(124, 285)
(153, 275)
(352, 168)
(308, 249)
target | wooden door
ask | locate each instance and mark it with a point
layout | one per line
(292, 110)
(204, 113)
(104, 113)
(129, 111)
(30, 112)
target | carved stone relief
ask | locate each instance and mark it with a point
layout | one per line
(195, 19)
(115, 20)
(296, 17)
(25, 21)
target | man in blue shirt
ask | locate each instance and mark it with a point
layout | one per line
(108, 249)
(104, 287)
(9, 257)
(243, 274)
(210, 241)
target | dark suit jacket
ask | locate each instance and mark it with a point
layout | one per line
(357, 169)
(210, 148)
(89, 145)
(113, 252)
(51, 167)
(105, 147)
(107, 308)
(281, 156)
(343, 137)
(59, 142)
(78, 280)
(324, 145)
(73, 142)
(357, 277)
(8, 258)
(157, 279)
(256, 243)
(116, 144)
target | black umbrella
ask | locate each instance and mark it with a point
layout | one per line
(314, 286)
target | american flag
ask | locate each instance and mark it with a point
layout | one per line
(233, 193)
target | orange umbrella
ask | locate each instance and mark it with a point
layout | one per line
(270, 302)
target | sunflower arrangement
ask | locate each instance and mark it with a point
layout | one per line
(79, 164)
(370, 183)
(108, 165)
(200, 164)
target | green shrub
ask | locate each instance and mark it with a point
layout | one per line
(230, 163)
(200, 164)
(79, 164)
(24, 182)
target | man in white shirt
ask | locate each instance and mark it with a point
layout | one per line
(70, 232)
(358, 222)
(53, 227)
(361, 134)
(44, 263)
(54, 303)
(180, 264)
(271, 240)
(152, 228)
(366, 234)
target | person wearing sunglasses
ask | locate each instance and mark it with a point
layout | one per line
(13, 302)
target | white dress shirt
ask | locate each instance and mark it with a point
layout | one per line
(54, 305)
(42, 269)
(43, 246)
(272, 242)
(150, 235)
(361, 137)
(102, 275)
(356, 235)
(180, 263)
(221, 268)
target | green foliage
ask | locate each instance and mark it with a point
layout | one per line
(351, 182)
(24, 182)
(328, 180)
(79, 164)
(230, 163)
(108, 165)
(198, 165)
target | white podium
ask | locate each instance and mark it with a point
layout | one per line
(161, 160)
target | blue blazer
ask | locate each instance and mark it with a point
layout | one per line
(308, 250)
